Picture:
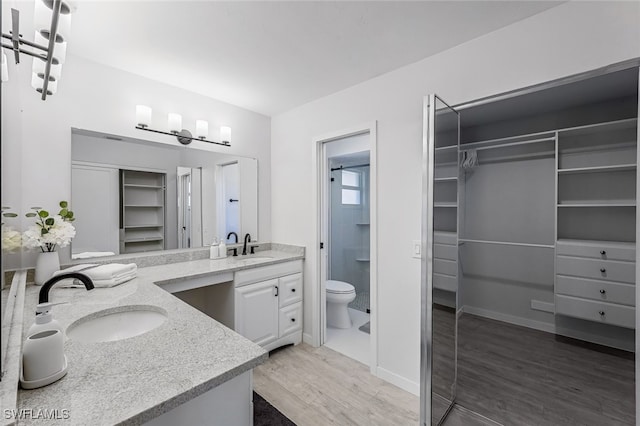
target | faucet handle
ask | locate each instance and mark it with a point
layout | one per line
(253, 248)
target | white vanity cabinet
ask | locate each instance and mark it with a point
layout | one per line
(268, 304)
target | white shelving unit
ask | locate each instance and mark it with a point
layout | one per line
(595, 249)
(142, 211)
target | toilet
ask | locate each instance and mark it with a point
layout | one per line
(339, 295)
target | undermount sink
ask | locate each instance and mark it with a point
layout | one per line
(118, 323)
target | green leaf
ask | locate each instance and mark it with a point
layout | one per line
(64, 213)
(44, 231)
(30, 215)
(72, 219)
(9, 215)
(69, 214)
(43, 213)
(63, 204)
(49, 221)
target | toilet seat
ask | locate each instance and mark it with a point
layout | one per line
(339, 287)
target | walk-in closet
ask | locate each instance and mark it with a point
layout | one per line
(530, 207)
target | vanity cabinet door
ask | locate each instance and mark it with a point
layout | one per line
(256, 313)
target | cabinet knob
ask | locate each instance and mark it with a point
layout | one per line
(601, 313)
(603, 291)
(293, 290)
(603, 252)
(603, 270)
(293, 320)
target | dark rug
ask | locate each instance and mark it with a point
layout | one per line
(265, 414)
(366, 327)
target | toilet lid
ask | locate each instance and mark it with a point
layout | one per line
(334, 286)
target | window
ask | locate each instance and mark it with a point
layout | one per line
(350, 187)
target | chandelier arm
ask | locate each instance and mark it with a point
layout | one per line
(57, 4)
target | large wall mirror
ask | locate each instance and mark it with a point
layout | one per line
(132, 196)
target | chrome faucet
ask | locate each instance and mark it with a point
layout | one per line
(44, 291)
(247, 239)
(234, 234)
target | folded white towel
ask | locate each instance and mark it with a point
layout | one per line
(102, 275)
(90, 254)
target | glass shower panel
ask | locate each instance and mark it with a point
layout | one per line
(439, 260)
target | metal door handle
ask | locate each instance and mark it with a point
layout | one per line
(276, 291)
(602, 252)
(601, 313)
(603, 291)
(603, 270)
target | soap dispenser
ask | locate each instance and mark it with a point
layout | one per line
(44, 319)
(43, 359)
(214, 251)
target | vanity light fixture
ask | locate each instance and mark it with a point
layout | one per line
(52, 22)
(143, 118)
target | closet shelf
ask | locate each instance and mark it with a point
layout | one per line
(446, 179)
(363, 224)
(142, 239)
(608, 203)
(446, 148)
(445, 205)
(362, 259)
(148, 206)
(138, 185)
(506, 243)
(143, 226)
(599, 169)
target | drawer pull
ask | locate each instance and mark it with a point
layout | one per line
(603, 270)
(603, 291)
(293, 320)
(601, 313)
(277, 291)
(603, 252)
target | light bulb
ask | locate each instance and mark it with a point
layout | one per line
(225, 134)
(175, 122)
(143, 115)
(202, 129)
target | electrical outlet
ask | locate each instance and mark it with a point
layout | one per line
(417, 249)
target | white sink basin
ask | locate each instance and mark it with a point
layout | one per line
(118, 323)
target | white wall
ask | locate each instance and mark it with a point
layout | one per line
(571, 38)
(36, 135)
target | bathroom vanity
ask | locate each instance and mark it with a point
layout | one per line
(189, 370)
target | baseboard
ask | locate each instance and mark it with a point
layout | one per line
(398, 381)
(539, 305)
(308, 339)
(511, 319)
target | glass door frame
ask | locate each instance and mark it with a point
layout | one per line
(426, 262)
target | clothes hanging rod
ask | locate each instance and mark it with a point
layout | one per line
(506, 243)
(333, 169)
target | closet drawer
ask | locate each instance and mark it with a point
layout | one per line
(599, 269)
(448, 238)
(445, 282)
(597, 249)
(605, 291)
(591, 310)
(289, 289)
(441, 251)
(290, 319)
(446, 267)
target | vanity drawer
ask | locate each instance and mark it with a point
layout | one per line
(441, 251)
(605, 291)
(290, 319)
(591, 310)
(597, 250)
(289, 289)
(448, 238)
(598, 269)
(446, 267)
(445, 282)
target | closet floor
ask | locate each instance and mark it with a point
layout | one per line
(519, 376)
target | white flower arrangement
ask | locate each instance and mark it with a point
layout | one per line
(11, 240)
(50, 232)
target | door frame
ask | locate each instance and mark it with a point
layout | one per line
(320, 175)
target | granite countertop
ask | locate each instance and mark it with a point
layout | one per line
(134, 380)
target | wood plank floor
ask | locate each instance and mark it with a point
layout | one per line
(512, 375)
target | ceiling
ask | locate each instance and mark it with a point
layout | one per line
(271, 56)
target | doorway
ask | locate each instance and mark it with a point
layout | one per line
(346, 262)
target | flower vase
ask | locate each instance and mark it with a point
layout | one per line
(46, 264)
